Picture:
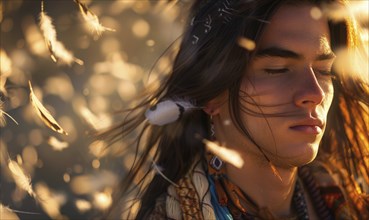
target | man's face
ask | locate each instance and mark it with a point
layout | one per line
(289, 82)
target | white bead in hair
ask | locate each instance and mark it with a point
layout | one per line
(167, 111)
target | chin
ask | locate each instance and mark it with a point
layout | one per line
(296, 158)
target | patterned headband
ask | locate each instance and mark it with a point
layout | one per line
(209, 15)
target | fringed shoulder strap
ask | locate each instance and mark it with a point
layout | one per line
(191, 198)
(331, 190)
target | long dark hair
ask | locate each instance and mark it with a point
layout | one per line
(214, 64)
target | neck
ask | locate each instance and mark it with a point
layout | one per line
(264, 187)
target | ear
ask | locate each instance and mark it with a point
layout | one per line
(211, 109)
(213, 106)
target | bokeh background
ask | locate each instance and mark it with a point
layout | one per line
(49, 175)
(72, 176)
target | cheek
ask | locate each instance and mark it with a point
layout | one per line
(269, 86)
(268, 97)
(262, 130)
(329, 94)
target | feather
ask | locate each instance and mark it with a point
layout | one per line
(2, 114)
(58, 52)
(159, 171)
(226, 154)
(44, 114)
(22, 180)
(2, 120)
(7, 213)
(3, 208)
(92, 21)
(167, 111)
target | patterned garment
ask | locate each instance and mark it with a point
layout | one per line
(189, 204)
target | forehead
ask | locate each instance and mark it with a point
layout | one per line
(294, 27)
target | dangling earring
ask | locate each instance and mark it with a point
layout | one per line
(215, 168)
(212, 129)
(215, 162)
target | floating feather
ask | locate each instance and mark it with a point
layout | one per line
(2, 114)
(2, 120)
(226, 154)
(7, 213)
(92, 21)
(57, 50)
(233, 157)
(22, 180)
(167, 111)
(4, 209)
(44, 114)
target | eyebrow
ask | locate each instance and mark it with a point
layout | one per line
(284, 53)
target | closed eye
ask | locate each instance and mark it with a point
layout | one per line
(326, 73)
(276, 71)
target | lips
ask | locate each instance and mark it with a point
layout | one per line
(309, 126)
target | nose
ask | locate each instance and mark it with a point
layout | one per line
(309, 92)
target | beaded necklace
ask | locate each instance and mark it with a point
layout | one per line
(230, 202)
(299, 202)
